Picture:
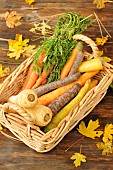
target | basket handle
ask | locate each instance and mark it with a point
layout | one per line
(88, 41)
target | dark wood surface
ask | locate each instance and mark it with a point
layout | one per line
(15, 155)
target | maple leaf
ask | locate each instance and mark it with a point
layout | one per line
(12, 19)
(4, 72)
(78, 157)
(108, 132)
(30, 1)
(1, 127)
(105, 147)
(42, 27)
(90, 130)
(101, 41)
(17, 46)
(100, 3)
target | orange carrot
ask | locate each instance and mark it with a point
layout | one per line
(44, 82)
(32, 76)
(46, 99)
(41, 58)
(30, 79)
(42, 77)
(67, 67)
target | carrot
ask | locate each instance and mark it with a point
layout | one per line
(56, 84)
(32, 76)
(44, 82)
(84, 77)
(93, 83)
(66, 110)
(91, 65)
(42, 77)
(67, 67)
(41, 57)
(77, 62)
(30, 79)
(46, 99)
(60, 102)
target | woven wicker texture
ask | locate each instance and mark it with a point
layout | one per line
(20, 123)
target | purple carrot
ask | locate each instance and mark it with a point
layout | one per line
(53, 85)
(77, 62)
(59, 103)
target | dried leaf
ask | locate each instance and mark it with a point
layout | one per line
(12, 19)
(100, 3)
(101, 41)
(105, 147)
(17, 46)
(29, 50)
(78, 157)
(90, 130)
(4, 72)
(42, 27)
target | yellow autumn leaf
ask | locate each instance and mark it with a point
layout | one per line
(4, 72)
(30, 1)
(104, 58)
(105, 147)
(101, 41)
(17, 46)
(78, 157)
(108, 133)
(1, 127)
(100, 3)
(89, 131)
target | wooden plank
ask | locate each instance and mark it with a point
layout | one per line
(16, 155)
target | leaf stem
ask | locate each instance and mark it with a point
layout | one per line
(75, 143)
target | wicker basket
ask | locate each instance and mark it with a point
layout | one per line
(20, 123)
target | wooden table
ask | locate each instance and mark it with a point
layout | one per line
(15, 155)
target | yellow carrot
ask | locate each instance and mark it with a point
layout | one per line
(67, 67)
(46, 99)
(66, 110)
(91, 65)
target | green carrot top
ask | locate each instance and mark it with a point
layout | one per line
(59, 46)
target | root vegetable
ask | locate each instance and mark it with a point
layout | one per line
(26, 98)
(94, 64)
(67, 67)
(59, 103)
(56, 84)
(66, 110)
(41, 115)
(77, 62)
